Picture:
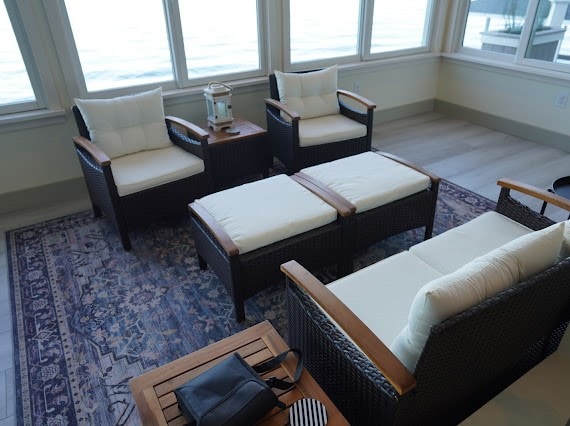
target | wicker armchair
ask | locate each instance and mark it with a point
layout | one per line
(284, 133)
(467, 359)
(129, 211)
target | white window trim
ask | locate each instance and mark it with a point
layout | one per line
(73, 74)
(518, 62)
(429, 34)
(47, 108)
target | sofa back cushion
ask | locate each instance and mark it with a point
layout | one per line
(478, 280)
(311, 94)
(126, 124)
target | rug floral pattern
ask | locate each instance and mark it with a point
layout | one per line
(88, 316)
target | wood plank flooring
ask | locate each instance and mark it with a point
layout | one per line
(473, 156)
(468, 155)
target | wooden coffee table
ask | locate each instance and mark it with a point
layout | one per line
(153, 391)
(239, 155)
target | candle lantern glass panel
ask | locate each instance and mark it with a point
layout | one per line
(219, 106)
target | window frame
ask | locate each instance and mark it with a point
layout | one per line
(35, 61)
(73, 73)
(429, 34)
(516, 60)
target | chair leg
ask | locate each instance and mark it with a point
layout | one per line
(202, 263)
(125, 240)
(96, 210)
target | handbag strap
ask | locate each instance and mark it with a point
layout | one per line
(272, 363)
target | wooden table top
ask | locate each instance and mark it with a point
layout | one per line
(153, 390)
(246, 130)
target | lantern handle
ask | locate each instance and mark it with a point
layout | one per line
(220, 83)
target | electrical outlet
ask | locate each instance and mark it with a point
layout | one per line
(561, 100)
(356, 87)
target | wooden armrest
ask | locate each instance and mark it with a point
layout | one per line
(390, 366)
(360, 99)
(342, 205)
(212, 224)
(99, 156)
(535, 192)
(284, 108)
(192, 130)
(433, 178)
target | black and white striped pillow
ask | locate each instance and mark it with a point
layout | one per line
(308, 412)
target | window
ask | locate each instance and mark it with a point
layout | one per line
(397, 27)
(16, 91)
(112, 44)
(224, 43)
(323, 29)
(324, 32)
(120, 43)
(502, 27)
(550, 38)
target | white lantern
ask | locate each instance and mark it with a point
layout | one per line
(219, 104)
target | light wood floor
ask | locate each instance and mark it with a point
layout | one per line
(468, 155)
(473, 156)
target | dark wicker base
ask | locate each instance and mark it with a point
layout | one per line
(414, 211)
(467, 359)
(247, 274)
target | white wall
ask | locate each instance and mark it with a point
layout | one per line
(518, 96)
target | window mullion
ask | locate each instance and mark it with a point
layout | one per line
(526, 31)
(367, 15)
(65, 46)
(176, 42)
(26, 52)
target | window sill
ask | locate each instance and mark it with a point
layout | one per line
(26, 120)
(510, 68)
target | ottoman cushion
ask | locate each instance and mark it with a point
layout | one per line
(369, 180)
(263, 212)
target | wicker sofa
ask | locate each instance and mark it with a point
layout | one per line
(467, 357)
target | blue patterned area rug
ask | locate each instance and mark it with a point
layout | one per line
(88, 316)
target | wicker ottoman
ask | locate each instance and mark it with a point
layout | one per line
(245, 233)
(389, 194)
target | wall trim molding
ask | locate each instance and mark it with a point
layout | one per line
(505, 125)
(403, 111)
(45, 195)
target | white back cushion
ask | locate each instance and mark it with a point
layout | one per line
(126, 124)
(478, 280)
(458, 246)
(311, 94)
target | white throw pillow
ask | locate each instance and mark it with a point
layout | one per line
(311, 94)
(478, 280)
(126, 124)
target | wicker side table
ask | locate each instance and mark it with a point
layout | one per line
(237, 155)
(153, 390)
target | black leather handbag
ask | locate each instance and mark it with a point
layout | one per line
(232, 392)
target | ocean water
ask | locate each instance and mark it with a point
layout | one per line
(130, 46)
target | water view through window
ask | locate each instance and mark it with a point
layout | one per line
(122, 44)
(15, 86)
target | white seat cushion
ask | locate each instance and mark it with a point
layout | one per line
(456, 247)
(478, 280)
(329, 128)
(127, 124)
(311, 94)
(369, 180)
(381, 294)
(147, 169)
(259, 213)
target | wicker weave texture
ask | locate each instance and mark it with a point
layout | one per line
(467, 360)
